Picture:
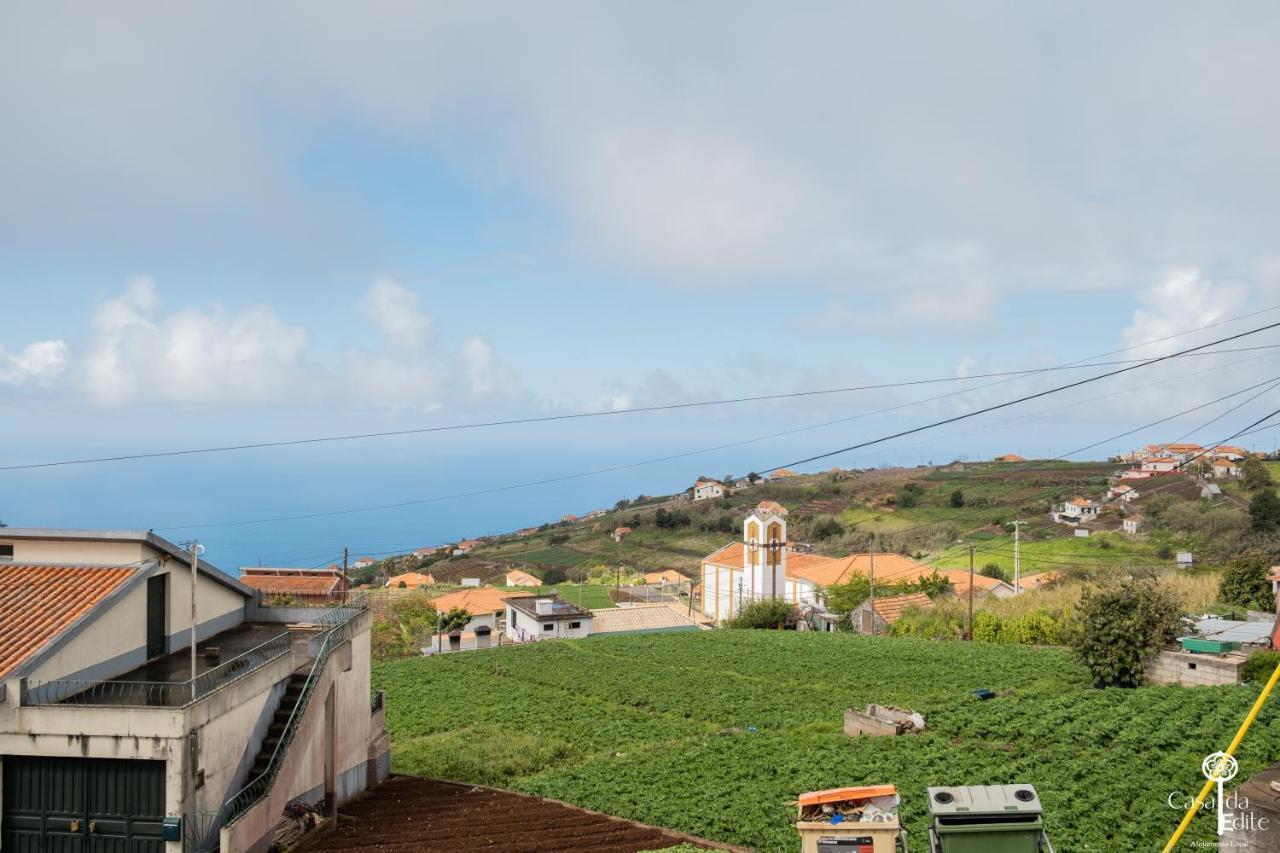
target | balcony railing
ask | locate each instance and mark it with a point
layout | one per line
(157, 694)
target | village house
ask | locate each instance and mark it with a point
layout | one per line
(707, 489)
(1122, 492)
(1160, 464)
(641, 619)
(867, 619)
(620, 533)
(486, 605)
(1132, 524)
(410, 580)
(666, 576)
(568, 518)
(1077, 510)
(97, 697)
(545, 617)
(524, 532)
(782, 474)
(1011, 457)
(594, 514)
(466, 546)
(515, 577)
(1229, 451)
(363, 562)
(1226, 468)
(305, 586)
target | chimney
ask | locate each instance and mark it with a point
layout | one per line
(543, 606)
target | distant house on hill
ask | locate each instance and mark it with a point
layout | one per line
(526, 531)
(706, 489)
(466, 546)
(1160, 464)
(782, 474)
(410, 580)
(1122, 492)
(1132, 524)
(620, 533)
(1229, 451)
(568, 517)
(665, 576)
(1077, 510)
(308, 586)
(866, 619)
(515, 577)
(363, 563)
(594, 514)
(1226, 468)
(1011, 457)
(485, 604)
(773, 507)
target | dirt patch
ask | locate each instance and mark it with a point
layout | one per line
(407, 813)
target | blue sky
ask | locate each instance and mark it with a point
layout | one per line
(237, 223)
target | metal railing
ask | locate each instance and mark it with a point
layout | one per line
(157, 694)
(339, 621)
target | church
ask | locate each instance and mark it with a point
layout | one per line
(763, 565)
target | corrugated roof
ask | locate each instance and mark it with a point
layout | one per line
(292, 581)
(39, 602)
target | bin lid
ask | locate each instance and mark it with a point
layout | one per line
(991, 800)
(839, 795)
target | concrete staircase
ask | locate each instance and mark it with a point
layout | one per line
(279, 723)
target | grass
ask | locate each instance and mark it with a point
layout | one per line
(1057, 554)
(591, 596)
(715, 733)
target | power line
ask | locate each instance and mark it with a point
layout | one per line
(259, 445)
(566, 477)
(1014, 402)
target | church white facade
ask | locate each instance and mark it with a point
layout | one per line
(754, 569)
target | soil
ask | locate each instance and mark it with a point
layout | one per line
(406, 813)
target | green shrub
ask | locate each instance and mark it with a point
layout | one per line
(1122, 626)
(1245, 584)
(826, 528)
(766, 613)
(1260, 665)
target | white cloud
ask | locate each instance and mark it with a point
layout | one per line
(209, 355)
(40, 363)
(1182, 300)
(396, 313)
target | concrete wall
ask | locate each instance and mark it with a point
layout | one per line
(70, 551)
(347, 737)
(1194, 670)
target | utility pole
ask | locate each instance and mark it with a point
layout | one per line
(871, 578)
(194, 550)
(346, 555)
(1017, 556)
(969, 624)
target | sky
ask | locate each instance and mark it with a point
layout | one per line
(238, 223)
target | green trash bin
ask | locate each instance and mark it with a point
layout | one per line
(987, 819)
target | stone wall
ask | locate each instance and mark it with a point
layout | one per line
(1194, 670)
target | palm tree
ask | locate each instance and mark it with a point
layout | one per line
(455, 620)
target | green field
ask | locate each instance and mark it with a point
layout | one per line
(714, 733)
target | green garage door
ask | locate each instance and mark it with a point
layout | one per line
(81, 805)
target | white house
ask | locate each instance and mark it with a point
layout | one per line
(515, 577)
(97, 691)
(705, 489)
(1077, 510)
(545, 617)
(1132, 524)
(486, 605)
(1122, 492)
(1160, 464)
(363, 563)
(1227, 451)
(1226, 468)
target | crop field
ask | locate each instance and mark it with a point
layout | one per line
(715, 733)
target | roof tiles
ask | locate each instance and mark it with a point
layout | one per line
(39, 602)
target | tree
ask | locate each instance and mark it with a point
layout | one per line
(1245, 584)
(1254, 475)
(455, 620)
(753, 478)
(842, 598)
(957, 499)
(910, 495)
(1122, 626)
(554, 575)
(1264, 512)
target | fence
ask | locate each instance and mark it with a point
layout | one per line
(157, 694)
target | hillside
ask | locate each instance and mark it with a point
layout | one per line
(863, 504)
(714, 733)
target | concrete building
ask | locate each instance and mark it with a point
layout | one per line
(707, 489)
(868, 620)
(545, 617)
(1077, 510)
(97, 697)
(486, 605)
(515, 577)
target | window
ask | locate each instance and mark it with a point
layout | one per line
(575, 625)
(6, 553)
(550, 626)
(513, 618)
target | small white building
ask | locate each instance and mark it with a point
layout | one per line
(363, 563)
(1132, 525)
(1077, 510)
(1122, 492)
(1160, 464)
(1226, 468)
(545, 617)
(515, 577)
(707, 489)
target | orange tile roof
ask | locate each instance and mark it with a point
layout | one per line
(1231, 448)
(892, 608)
(668, 575)
(411, 580)
(293, 581)
(959, 580)
(1183, 448)
(480, 599)
(1225, 463)
(1011, 457)
(1037, 581)
(890, 568)
(621, 531)
(783, 472)
(773, 507)
(1163, 459)
(515, 577)
(39, 602)
(1080, 502)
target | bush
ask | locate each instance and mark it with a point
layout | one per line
(1260, 665)
(994, 570)
(1245, 584)
(957, 499)
(558, 538)
(826, 528)
(1264, 512)
(1122, 626)
(554, 575)
(766, 613)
